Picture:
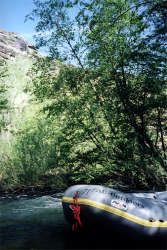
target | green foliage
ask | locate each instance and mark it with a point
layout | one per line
(35, 153)
(103, 121)
(114, 99)
(3, 91)
(32, 146)
(14, 78)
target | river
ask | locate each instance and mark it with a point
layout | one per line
(32, 223)
(37, 223)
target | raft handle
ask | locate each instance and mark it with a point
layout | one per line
(151, 220)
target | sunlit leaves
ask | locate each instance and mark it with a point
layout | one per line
(117, 88)
(3, 92)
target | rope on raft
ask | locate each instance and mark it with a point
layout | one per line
(76, 212)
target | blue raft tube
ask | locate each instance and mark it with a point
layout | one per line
(132, 216)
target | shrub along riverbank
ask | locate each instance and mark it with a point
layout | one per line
(46, 152)
(28, 138)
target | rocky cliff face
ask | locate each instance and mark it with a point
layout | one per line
(12, 44)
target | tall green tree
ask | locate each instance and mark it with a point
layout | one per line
(116, 92)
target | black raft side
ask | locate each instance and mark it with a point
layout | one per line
(101, 233)
(95, 217)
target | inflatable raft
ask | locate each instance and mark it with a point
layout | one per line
(132, 214)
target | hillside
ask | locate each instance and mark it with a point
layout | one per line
(13, 44)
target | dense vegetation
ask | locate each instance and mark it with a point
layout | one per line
(114, 99)
(28, 138)
(3, 90)
(103, 119)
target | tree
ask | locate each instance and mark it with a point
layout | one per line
(116, 93)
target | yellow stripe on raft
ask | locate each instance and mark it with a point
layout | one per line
(116, 211)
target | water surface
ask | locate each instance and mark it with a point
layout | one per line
(33, 223)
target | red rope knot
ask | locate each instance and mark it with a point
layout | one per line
(76, 212)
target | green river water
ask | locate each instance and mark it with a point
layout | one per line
(38, 223)
(33, 223)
